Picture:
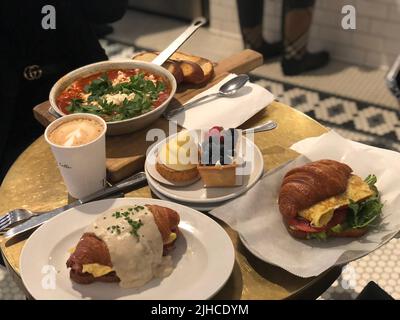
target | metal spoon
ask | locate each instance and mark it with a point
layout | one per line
(227, 89)
(269, 125)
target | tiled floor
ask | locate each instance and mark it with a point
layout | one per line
(8, 288)
(357, 120)
(157, 33)
(340, 78)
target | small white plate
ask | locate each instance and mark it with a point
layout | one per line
(203, 207)
(203, 257)
(196, 193)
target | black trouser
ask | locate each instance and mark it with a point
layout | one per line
(251, 18)
(251, 11)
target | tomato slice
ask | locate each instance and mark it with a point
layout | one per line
(303, 225)
(161, 98)
(339, 216)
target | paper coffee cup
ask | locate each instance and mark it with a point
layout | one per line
(83, 167)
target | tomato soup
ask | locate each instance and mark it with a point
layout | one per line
(115, 95)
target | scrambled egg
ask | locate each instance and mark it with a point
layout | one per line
(119, 98)
(172, 238)
(97, 270)
(321, 213)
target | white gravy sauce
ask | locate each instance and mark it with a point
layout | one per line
(136, 257)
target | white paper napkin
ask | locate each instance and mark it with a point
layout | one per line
(256, 216)
(228, 112)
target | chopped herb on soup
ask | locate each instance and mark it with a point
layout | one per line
(115, 95)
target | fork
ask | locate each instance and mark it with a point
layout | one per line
(15, 216)
(19, 215)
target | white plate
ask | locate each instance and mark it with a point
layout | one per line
(204, 207)
(197, 193)
(203, 257)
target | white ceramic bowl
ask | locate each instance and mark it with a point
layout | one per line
(123, 126)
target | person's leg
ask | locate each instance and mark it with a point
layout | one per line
(251, 19)
(297, 18)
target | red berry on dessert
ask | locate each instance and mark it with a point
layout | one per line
(217, 128)
(214, 132)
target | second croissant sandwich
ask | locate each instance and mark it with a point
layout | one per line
(129, 245)
(324, 198)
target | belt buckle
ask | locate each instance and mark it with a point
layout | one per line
(33, 72)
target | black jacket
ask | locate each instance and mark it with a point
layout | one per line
(24, 43)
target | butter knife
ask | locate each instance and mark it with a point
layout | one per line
(118, 188)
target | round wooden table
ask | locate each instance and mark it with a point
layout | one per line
(34, 182)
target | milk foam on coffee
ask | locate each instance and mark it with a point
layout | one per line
(76, 132)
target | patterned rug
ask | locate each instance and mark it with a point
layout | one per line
(357, 120)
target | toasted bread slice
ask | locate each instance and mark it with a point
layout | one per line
(194, 69)
(205, 65)
(192, 72)
(170, 65)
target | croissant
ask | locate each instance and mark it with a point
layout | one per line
(166, 220)
(92, 250)
(304, 186)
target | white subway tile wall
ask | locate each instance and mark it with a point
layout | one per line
(374, 43)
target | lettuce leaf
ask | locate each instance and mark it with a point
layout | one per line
(365, 212)
(338, 228)
(371, 180)
(361, 214)
(318, 235)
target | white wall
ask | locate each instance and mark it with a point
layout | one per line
(375, 42)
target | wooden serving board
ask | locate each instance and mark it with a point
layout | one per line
(126, 153)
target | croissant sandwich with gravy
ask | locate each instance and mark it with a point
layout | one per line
(129, 245)
(326, 199)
